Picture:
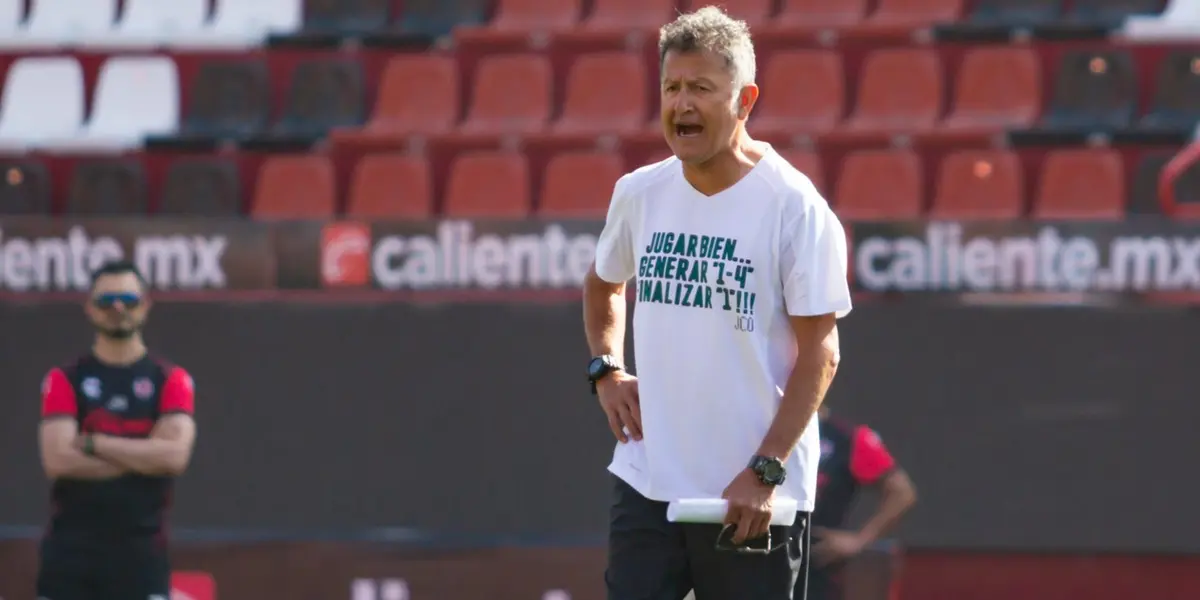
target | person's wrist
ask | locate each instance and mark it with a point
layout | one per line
(608, 379)
(758, 479)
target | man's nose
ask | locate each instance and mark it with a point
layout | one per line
(683, 104)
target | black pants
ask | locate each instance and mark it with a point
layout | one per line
(650, 558)
(122, 570)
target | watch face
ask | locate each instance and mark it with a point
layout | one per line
(772, 472)
(596, 368)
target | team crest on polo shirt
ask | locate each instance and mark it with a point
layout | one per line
(91, 387)
(143, 388)
(826, 449)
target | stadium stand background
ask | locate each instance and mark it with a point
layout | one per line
(281, 109)
(277, 110)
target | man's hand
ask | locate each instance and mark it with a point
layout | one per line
(750, 502)
(618, 393)
(836, 545)
(166, 452)
(81, 440)
(62, 456)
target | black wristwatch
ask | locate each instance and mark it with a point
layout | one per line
(769, 469)
(600, 367)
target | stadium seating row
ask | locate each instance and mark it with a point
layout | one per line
(901, 91)
(852, 18)
(1180, 20)
(145, 23)
(43, 104)
(873, 185)
(237, 23)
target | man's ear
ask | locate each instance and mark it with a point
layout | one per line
(746, 100)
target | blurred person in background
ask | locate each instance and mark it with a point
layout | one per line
(116, 429)
(853, 458)
(741, 276)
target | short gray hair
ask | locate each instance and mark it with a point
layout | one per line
(710, 29)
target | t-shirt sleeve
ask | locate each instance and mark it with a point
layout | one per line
(614, 249)
(813, 261)
(869, 458)
(58, 396)
(178, 393)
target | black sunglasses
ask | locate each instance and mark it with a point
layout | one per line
(725, 542)
(128, 300)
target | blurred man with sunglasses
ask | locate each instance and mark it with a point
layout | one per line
(116, 429)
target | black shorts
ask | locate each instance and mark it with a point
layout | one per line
(123, 570)
(650, 558)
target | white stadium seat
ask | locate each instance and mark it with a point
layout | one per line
(135, 97)
(152, 23)
(244, 23)
(55, 23)
(1180, 21)
(43, 102)
(12, 12)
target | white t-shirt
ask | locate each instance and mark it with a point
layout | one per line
(717, 277)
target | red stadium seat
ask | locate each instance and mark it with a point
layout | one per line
(979, 184)
(626, 15)
(512, 94)
(900, 91)
(516, 19)
(880, 185)
(821, 14)
(418, 95)
(803, 92)
(997, 88)
(899, 18)
(394, 186)
(606, 93)
(488, 185)
(579, 184)
(754, 12)
(1084, 184)
(807, 162)
(295, 187)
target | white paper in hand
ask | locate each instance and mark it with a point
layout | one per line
(712, 510)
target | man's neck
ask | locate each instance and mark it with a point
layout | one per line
(119, 352)
(726, 168)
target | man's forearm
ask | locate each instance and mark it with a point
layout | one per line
(893, 504)
(604, 317)
(805, 390)
(73, 464)
(147, 456)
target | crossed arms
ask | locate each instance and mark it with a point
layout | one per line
(166, 452)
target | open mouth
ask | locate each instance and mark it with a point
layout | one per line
(687, 130)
